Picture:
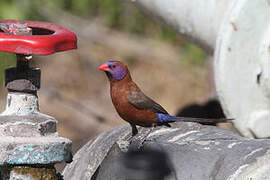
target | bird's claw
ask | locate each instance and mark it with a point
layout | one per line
(138, 140)
(123, 145)
(136, 143)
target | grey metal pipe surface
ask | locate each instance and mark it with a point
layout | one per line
(193, 151)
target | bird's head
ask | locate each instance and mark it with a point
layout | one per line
(114, 70)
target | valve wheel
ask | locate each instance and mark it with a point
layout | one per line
(35, 37)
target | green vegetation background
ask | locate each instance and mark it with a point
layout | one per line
(116, 14)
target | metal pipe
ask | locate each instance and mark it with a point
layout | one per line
(198, 20)
(29, 143)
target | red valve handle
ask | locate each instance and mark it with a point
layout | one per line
(46, 38)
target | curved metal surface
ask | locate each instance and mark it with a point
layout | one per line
(242, 66)
(194, 151)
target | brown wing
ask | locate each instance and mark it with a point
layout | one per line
(141, 101)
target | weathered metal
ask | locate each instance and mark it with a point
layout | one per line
(242, 66)
(193, 151)
(22, 78)
(29, 142)
(29, 173)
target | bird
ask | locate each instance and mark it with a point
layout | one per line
(133, 105)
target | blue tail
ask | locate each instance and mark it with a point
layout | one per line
(162, 118)
(165, 118)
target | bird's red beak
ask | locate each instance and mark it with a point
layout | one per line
(104, 67)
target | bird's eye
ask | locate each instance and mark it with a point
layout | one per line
(113, 66)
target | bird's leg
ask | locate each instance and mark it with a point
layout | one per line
(134, 130)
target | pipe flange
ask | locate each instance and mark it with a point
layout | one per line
(242, 64)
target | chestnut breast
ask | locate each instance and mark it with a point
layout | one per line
(119, 93)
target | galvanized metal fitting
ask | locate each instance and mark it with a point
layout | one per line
(29, 142)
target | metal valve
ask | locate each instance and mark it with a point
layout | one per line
(29, 143)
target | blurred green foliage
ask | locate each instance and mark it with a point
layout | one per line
(123, 16)
(194, 54)
(9, 11)
(117, 14)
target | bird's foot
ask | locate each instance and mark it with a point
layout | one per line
(131, 143)
(123, 145)
(134, 142)
(138, 140)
